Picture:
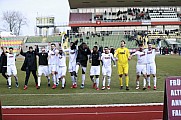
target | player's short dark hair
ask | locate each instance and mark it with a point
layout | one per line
(141, 44)
(95, 47)
(106, 47)
(123, 41)
(149, 43)
(30, 47)
(10, 48)
(83, 43)
(53, 44)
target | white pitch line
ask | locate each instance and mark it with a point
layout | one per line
(83, 106)
(67, 94)
(88, 113)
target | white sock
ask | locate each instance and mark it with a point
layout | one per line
(9, 81)
(54, 79)
(73, 81)
(39, 81)
(148, 80)
(48, 78)
(77, 68)
(137, 83)
(104, 81)
(97, 82)
(83, 78)
(144, 82)
(154, 81)
(63, 82)
(108, 81)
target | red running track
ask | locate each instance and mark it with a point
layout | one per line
(95, 113)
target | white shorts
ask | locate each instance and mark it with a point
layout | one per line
(140, 69)
(52, 68)
(72, 66)
(43, 70)
(106, 71)
(151, 69)
(95, 70)
(11, 70)
(61, 71)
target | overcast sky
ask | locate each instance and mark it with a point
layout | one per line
(31, 8)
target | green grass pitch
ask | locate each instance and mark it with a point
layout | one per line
(166, 66)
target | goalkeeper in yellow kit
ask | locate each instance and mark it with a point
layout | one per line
(122, 56)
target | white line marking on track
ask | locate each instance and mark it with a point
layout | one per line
(84, 106)
(88, 113)
(67, 94)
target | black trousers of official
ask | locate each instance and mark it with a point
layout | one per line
(4, 70)
(28, 75)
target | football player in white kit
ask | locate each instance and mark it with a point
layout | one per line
(72, 62)
(11, 67)
(151, 66)
(106, 58)
(141, 65)
(43, 66)
(52, 64)
(61, 66)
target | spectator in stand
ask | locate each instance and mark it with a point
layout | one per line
(100, 49)
(179, 51)
(175, 50)
(112, 50)
(161, 50)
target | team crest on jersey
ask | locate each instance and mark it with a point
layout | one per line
(142, 55)
(122, 52)
(149, 52)
(107, 57)
(72, 52)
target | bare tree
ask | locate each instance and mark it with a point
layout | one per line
(14, 20)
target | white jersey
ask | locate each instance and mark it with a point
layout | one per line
(72, 55)
(150, 55)
(11, 58)
(141, 57)
(106, 59)
(52, 57)
(61, 60)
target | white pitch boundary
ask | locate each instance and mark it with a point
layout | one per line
(83, 106)
(68, 94)
(83, 113)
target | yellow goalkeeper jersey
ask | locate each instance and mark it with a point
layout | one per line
(122, 54)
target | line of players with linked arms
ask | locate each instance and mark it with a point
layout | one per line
(53, 63)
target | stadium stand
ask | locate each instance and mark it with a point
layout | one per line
(111, 40)
(34, 39)
(41, 39)
(78, 17)
(163, 15)
(14, 42)
(131, 14)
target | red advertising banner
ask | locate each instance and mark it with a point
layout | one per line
(1, 117)
(172, 99)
